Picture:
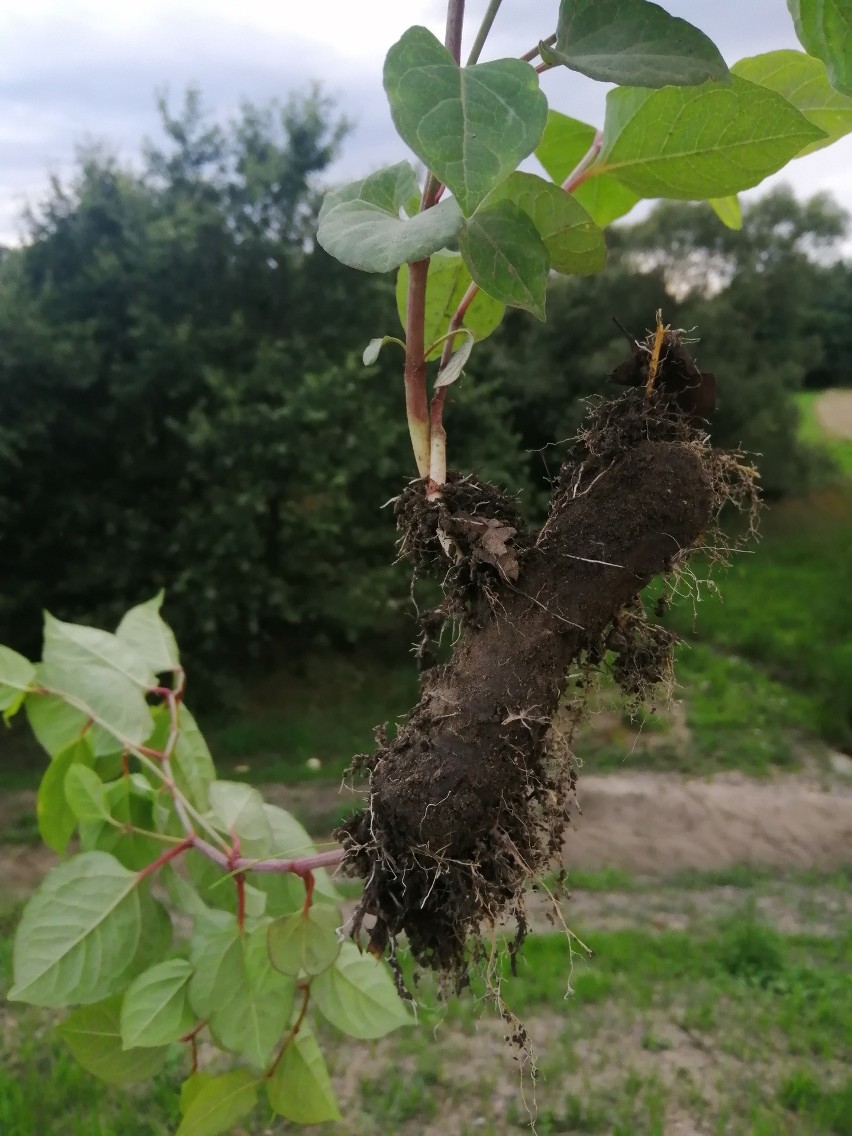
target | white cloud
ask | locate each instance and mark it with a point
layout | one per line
(78, 69)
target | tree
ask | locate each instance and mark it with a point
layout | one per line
(176, 352)
(732, 286)
(467, 800)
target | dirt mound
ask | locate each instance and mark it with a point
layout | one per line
(655, 823)
(834, 412)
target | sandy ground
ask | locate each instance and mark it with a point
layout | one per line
(646, 823)
(655, 823)
(834, 412)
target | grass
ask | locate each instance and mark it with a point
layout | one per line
(812, 432)
(740, 1028)
(766, 662)
(787, 611)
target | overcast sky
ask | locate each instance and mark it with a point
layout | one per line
(80, 70)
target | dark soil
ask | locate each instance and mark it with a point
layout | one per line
(471, 798)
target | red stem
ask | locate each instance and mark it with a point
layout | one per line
(437, 433)
(530, 55)
(169, 854)
(240, 881)
(294, 1029)
(416, 403)
(309, 881)
(455, 23)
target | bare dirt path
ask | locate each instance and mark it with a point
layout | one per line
(834, 412)
(650, 824)
(653, 823)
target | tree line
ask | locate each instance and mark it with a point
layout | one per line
(183, 402)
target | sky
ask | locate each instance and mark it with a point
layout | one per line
(81, 71)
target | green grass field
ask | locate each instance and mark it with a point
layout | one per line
(725, 1020)
(811, 431)
(716, 1002)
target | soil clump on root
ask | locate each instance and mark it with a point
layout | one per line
(471, 798)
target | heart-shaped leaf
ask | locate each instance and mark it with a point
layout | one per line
(367, 237)
(633, 42)
(155, 1010)
(78, 933)
(574, 242)
(392, 188)
(563, 145)
(824, 28)
(506, 256)
(358, 997)
(803, 81)
(93, 1034)
(699, 142)
(213, 1105)
(305, 940)
(446, 284)
(470, 125)
(300, 1088)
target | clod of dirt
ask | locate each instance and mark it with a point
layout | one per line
(662, 362)
(471, 798)
(469, 538)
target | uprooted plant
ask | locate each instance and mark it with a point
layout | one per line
(466, 804)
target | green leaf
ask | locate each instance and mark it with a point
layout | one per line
(155, 1010)
(634, 43)
(156, 939)
(564, 144)
(824, 28)
(144, 629)
(183, 895)
(300, 1088)
(802, 81)
(56, 821)
(240, 810)
(367, 238)
(103, 677)
(358, 996)
(446, 284)
(56, 725)
(605, 199)
(391, 189)
(306, 941)
(192, 765)
(93, 1035)
(217, 888)
(77, 933)
(86, 795)
(132, 849)
(711, 141)
(728, 210)
(374, 347)
(455, 364)
(471, 125)
(17, 675)
(574, 242)
(234, 986)
(506, 257)
(216, 1104)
